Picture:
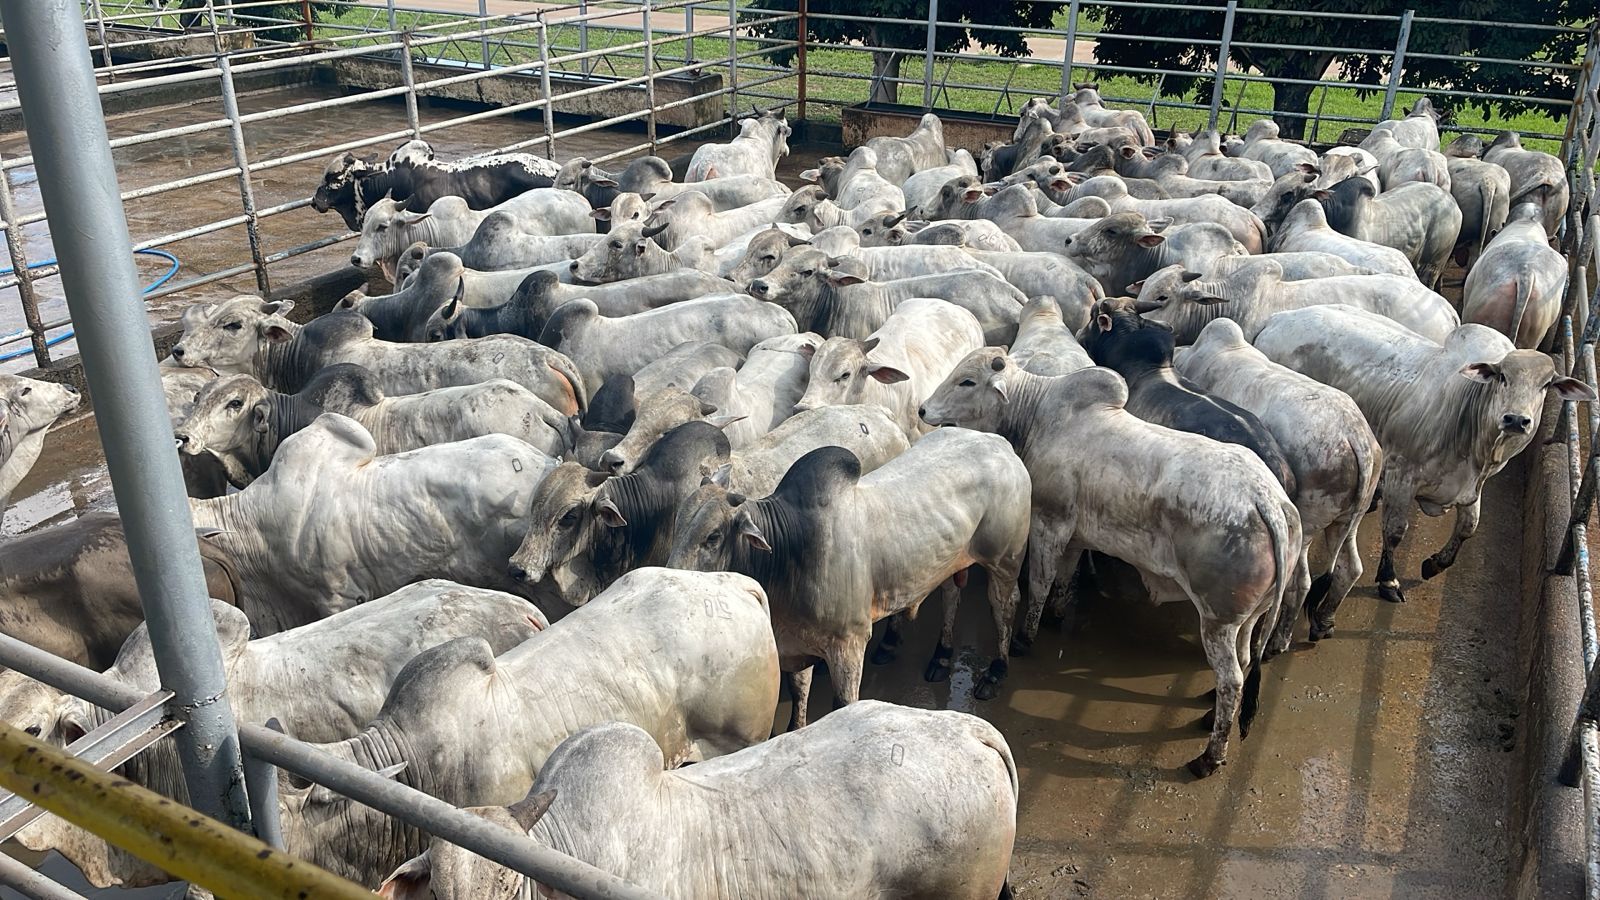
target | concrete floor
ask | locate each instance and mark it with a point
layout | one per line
(1379, 765)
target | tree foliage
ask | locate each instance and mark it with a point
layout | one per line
(1486, 39)
(256, 15)
(888, 40)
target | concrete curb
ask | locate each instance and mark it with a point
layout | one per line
(1546, 818)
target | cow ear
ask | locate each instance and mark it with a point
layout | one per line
(1321, 195)
(604, 182)
(412, 218)
(711, 172)
(260, 417)
(276, 334)
(887, 374)
(811, 175)
(606, 511)
(707, 407)
(841, 279)
(1309, 168)
(751, 534)
(1129, 152)
(1149, 240)
(1572, 389)
(1134, 289)
(530, 809)
(412, 881)
(808, 350)
(1103, 322)
(603, 213)
(1481, 371)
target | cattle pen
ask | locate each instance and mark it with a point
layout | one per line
(1449, 746)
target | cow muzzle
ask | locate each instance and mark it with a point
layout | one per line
(1515, 423)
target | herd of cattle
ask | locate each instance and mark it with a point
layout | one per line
(725, 427)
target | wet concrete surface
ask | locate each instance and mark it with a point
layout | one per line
(1379, 766)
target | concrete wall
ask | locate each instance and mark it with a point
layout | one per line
(1546, 818)
(961, 130)
(509, 89)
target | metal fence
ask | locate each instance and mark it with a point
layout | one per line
(631, 46)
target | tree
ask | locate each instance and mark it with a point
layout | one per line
(256, 15)
(1484, 38)
(889, 41)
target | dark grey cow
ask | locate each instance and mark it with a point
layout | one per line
(1123, 248)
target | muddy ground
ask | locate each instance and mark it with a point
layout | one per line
(1379, 765)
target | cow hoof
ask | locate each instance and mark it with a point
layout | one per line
(1319, 632)
(1020, 645)
(883, 655)
(1430, 568)
(1206, 722)
(1203, 766)
(987, 689)
(1391, 593)
(938, 670)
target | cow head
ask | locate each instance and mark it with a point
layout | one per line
(1118, 338)
(841, 369)
(567, 512)
(1104, 247)
(1513, 392)
(629, 251)
(886, 230)
(337, 189)
(29, 406)
(802, 208)
(956, 193)
(1185, 302)
(447, 872)
(657, 413)
(388, 229)
(974, 392)
(709, 526)
(796, 280)
(228, 335)
(762, 254)
(229, 415)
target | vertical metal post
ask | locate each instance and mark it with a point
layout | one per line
(733, 64)
(1396, 64)
(802, 29)
(649, 76)
(394, 21)
(261, 780)
(688, 29)
(1070, 52)
(544, 90)
(409, 78)
(99, 14)
(1222, 63)
(583, 37)
(15, 242)
(483, 39)
(55, 81)
(927, 55)
(241, 159)
(307, 22)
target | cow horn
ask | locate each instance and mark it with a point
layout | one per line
(654, 230)
(1144, 306)
(897, 219)
(530, 809)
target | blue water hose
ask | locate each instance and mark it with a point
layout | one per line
(67, 335)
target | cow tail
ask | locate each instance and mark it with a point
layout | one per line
(1284, 532)
(1521, 307)
(986, 735)
(1486, 198)
(565, 367)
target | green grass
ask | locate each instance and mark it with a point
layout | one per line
(1003, 85)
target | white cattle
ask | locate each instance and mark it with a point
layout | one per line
(762, 141)
(762, 393)
(1044, 344)
(323, 681)
(819, 546)
(866, 431)
(331, 524)
(1261, 142)
(940, 824)
(1448, 416)
(1250, 296)
(687, 656)
(28, 407)
(897, 366)
(389, 228)
(602, 346)
(1201, 520)
(1335, 457)
(1517, 285)
(1306, 228)
(691, 214)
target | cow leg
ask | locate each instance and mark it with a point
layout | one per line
(1397, 501)
(800, 696)
(1466, 526)
(939, 666)
(889, 647)
(844, 667)
(1294, 600)
(1329, 590)
(1044, 553)
(1003, 598)
(1221, 643)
